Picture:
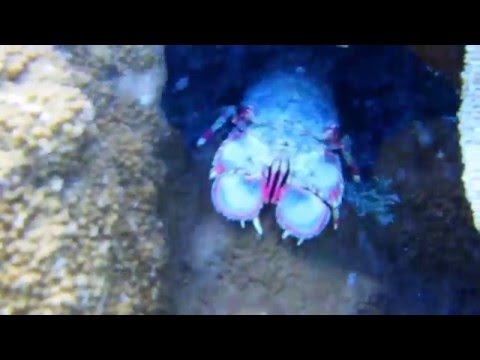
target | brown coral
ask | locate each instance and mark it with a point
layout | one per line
(101, 59)
(128, 132)
(78, 185)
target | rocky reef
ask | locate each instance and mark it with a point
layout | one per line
(105, 209)
(79, 180)
(469, 130)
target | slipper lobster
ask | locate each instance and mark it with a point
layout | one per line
(284, 150)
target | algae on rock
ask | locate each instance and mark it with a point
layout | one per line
(78, 182)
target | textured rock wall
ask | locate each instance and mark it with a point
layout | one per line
(79, 179)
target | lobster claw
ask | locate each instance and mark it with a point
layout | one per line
(301, 213)
(238, 197)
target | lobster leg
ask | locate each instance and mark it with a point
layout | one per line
(239, 117)
(258, 227)
(218, 124)
(346, 150)
(335, 217)
(344, 145)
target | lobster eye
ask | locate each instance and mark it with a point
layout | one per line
(237, 196)
(301, 213)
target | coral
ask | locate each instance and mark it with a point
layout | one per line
(123, 158)
(105, 61)
(78, 183)
(373, 197)
(43, 117)
(469, 130)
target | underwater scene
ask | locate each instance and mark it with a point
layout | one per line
(239, 179)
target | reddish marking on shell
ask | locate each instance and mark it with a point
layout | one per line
(279, 194)
(208, 134)
(330, 156)
(333, 134)
(334, 195)
(269, 187)
(219, 168)
(354, 170)
(246, 112)
(236, 135)
(279, 189)
(265, 191)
